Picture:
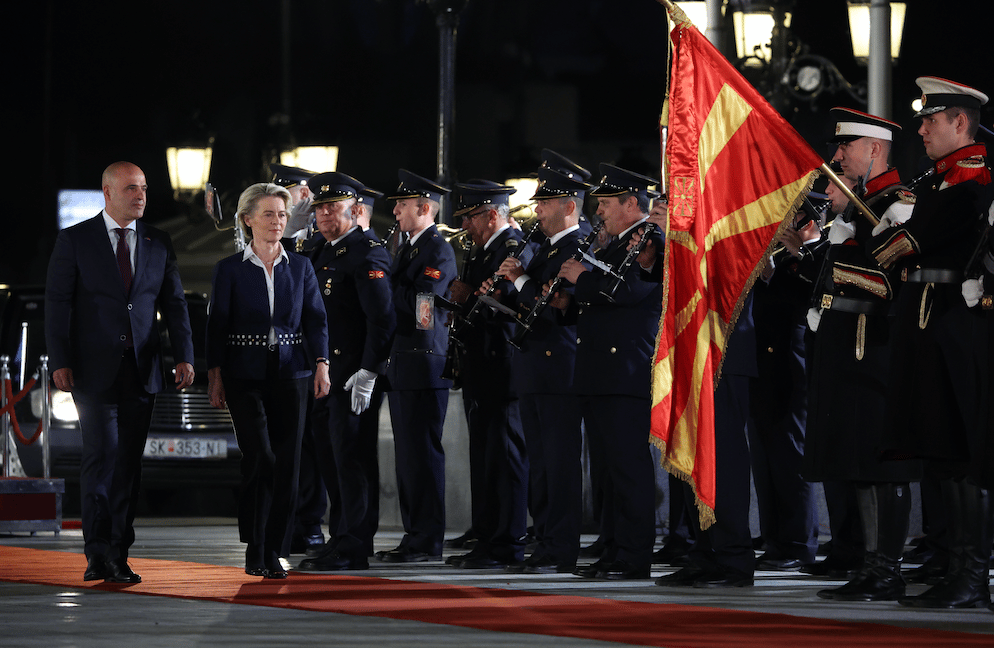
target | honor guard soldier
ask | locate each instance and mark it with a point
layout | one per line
(424, 267)
(353, 275)
(778, 396)
(497, 461)
(939, 364)
(542, 375)
(301, 216)
(851, 362)
(616, 314)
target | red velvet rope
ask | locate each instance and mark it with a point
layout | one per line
(9, 409)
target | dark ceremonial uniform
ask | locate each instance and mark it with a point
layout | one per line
(935, 334)
(354, 278)
(614, 350)
(779, 406)
(419, 395)
(848, 406)
(497, 458)
(550, 413)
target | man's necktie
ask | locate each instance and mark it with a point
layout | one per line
(124, 258)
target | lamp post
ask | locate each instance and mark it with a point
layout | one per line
(873, 24)
(189, 169)
(447, 19)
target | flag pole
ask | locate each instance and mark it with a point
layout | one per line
(859, 204)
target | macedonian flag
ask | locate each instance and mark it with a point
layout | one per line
(737, 171)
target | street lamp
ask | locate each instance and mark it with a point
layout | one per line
(757, 29)
(319, 158)
(859, 29)
(189, 169)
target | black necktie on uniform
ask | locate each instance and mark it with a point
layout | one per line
(124, 258)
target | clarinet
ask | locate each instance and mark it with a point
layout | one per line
(470, 317)
(386, 239)
(528, 320)
(622, 269)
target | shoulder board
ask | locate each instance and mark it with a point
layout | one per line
(906, 197)
(374, 243)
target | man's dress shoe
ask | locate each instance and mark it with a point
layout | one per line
(96, 568)
(724, 578)
(486, 562)
(621, 570)
(683, 577)
(119, 572)
(332, 561)
(465, 541)
(404, 555)
(543, 565)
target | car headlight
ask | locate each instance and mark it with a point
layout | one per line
(63, 406)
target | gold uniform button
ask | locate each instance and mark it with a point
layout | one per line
(337, 352)
(769, 349)
(548, 353)
(613, 350)
(577, 340)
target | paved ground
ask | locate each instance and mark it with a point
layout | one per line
(32, 615)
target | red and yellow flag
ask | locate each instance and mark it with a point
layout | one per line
(736, 171)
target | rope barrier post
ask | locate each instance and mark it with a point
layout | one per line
(46, 416)
(5, 418)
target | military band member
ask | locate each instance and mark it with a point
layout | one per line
(369, 421)
(940, 364)
(497, 461)
(353, 275)
(423, 269)
(616, 336)
(851, 363)
(542, 374)
(778, 396)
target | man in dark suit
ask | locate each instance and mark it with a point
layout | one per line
(497, 463)
(617, 320)
(424, 267)
(107, 277)
(542, 372)
(353, 273)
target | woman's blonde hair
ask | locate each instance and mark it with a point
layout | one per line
(251, 197)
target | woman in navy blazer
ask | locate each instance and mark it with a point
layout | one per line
(266, 332)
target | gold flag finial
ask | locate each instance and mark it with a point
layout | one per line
(676, 13)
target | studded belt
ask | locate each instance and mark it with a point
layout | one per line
(249, 339)
(932, 275)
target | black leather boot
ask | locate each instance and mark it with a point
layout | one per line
(966, 584)
(884, 510)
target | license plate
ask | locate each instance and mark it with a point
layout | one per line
(186, 448)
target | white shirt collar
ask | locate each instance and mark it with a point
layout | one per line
(415, 237)
(249, 254)
(637, 223)
(555, 238)
(496, 234)
(112, 225)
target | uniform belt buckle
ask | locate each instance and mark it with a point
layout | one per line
(826, 301)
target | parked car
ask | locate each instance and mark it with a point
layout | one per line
(190, 444)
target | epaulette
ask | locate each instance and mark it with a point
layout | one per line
(906, 196)
(374, 243)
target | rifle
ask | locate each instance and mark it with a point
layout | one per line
(527, 321)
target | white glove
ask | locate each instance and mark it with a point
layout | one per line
(973, 290)
(300, 215)
(361, 384)
(882, 225)
(840, 231)
(814, 318)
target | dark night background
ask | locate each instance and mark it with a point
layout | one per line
(91, 83)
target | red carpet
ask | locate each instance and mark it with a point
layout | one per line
(646, 624)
